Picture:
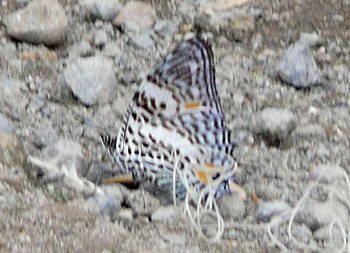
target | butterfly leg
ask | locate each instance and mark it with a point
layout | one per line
(121, 179)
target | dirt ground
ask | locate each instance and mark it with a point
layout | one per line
(32, 219)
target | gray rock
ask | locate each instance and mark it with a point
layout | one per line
(141, 202)
(308, 132)
(98, 171)
(92, 80)
(298, 67)
(164, 213)
(64, 152)
(125, 215)
(301, 232)
(275, 124)
(100, 38)
(13, 88)
(236, 26)
(141, 14)
(117, 191)
(322, 234)
(327, 173)
(129, 77)
(141, 41)
(83, 49)
(7, 49)
(130, 27)
(231, 207)
(5, 124)
(36, 103)
(267, 210)
(164, 28)
(173, 238)
(44, 137)
(310, 39)
(12, 152)
(317, 214)
(338, 18)
(105, 10)
(42, 21)
(107, 205)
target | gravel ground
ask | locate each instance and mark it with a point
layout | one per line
(282, 71)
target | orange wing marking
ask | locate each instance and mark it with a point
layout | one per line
(193, 105)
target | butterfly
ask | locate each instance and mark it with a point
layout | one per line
(176, 119)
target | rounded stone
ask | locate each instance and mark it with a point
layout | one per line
(141, 14)
(42, 21)
(92, 80)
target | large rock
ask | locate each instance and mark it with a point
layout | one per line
(42, 21)
(298, 67)
(92, 80)
(141, 14)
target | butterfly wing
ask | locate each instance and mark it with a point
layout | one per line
(176, 110)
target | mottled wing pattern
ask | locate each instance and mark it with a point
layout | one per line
(176, 112)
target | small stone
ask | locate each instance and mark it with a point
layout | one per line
(129, 77)
(301, 232)
(240, 26)
(3, 202)
(275, 124)
(117, 191)
(130, 27)
(310, 39)
(100, 38)
(163, 213)
(7, 50)
(44, 137)
(83, 49)
(164, 28)
(338, 18)
(36, 103)
(327, 173)
(92, 80)
(5, 124)
(140, 13)
(125, 214)
(237, 100)
(323, 234)
(298, 67)
(308, 132)
(231, 207)
(141, 41)
(317, 214)
(13, 88)
(173, 238)
(12, 152)
(105, 10)
(98, 171)
(222, 5)
(63, 151)
(267, 210)
(42, 21)
(237, 190)
(108, 205)
(142, 203)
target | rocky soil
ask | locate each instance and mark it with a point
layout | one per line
(68, 70)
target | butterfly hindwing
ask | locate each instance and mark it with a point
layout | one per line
(176, 112)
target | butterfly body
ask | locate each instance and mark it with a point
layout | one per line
(176, 118)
